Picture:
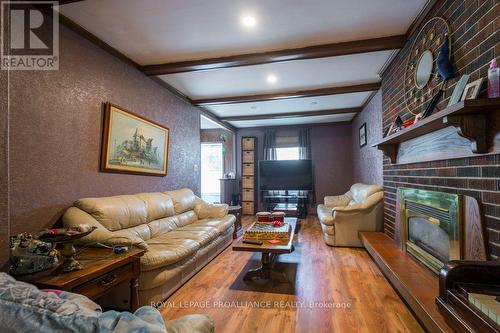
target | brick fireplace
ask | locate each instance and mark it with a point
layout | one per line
(475, 26)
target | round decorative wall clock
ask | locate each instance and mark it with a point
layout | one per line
(422, 80)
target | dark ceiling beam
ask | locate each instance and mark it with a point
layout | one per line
(65, 2)
(310, 125)
(292, 114)
(287, 95)
(310, 52)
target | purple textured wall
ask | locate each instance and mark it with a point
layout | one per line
(367, 161)
(4, 208)
(332, 158)
(55, 133)
(331, 155)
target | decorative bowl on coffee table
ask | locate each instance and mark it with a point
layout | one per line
(69, 263)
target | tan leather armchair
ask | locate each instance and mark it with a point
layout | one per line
(343, 216)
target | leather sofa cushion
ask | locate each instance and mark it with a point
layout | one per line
(184, 200)
(221, 224)
(186, 218)
(325, 214)
(200, 234)
(115, 213)
(158, 205)
(161, 226)
(360, 192)
(164, 252)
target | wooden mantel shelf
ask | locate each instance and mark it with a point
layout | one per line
(470, 117)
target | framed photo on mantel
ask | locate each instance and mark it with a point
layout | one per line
(132, 144)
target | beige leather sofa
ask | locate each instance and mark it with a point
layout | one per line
(343, 216)
(180, 232)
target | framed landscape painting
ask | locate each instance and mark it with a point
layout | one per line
(132, 144)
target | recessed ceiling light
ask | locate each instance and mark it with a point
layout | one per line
(271, 78)
(248, 21)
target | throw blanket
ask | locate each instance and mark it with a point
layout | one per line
(25, 308)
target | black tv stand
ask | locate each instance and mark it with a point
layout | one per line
(298, 198)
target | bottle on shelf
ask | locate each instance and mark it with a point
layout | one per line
(493, 80)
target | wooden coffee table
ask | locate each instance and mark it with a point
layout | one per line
(268, 252)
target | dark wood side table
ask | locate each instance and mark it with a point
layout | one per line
(236, 211)
(103, 270)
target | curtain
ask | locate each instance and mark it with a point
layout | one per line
(270, 145)
(305, 154)
(305, 144)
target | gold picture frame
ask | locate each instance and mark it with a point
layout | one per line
(133, 144)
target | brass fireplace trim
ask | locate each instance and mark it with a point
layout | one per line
(450, 204)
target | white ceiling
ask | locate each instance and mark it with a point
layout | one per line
(293, 121)
(207, 123)
(290, 105)
(162, 31)
(157, 31)
(291, 75)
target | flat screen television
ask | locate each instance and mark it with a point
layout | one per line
(285, 175)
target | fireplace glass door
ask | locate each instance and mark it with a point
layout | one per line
(430, 227)
(428, 239)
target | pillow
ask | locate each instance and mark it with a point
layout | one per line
(24, 308)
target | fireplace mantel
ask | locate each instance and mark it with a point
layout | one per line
(473, 119)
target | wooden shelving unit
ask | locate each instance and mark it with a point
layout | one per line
(248, 175)
(473, 119)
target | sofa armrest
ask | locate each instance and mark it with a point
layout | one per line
(218, 210)
(75, 217)
(205, 210)
(337, 200)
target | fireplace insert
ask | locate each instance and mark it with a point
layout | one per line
(430, 226)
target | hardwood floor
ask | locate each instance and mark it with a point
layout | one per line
(333, 290)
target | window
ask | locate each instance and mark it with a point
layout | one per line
(287, 153)
(212, 166)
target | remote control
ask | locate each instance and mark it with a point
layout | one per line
(255, 242)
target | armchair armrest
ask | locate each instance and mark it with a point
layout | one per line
(337, 200)
(370, 202)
